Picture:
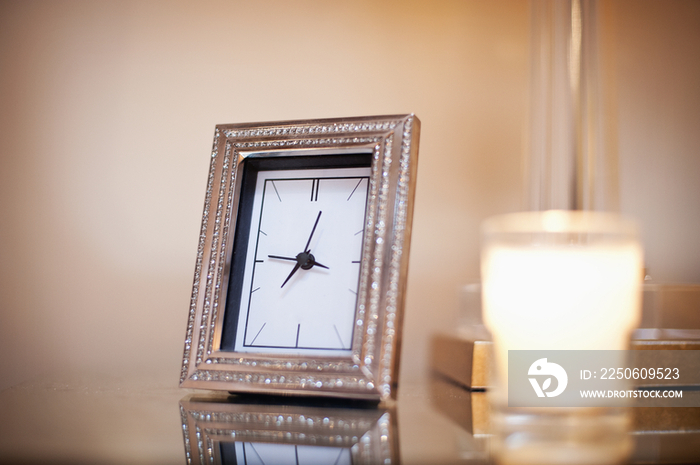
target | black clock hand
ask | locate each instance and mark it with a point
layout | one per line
(282, 258)
(296, 267)
(304, 260)
(308, 259)
(315, 263)
(306, 249)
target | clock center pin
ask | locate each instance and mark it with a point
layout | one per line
(306, 260)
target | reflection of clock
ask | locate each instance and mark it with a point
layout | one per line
(303, 258)
(277, 431)
(303, 261)
(250, 453)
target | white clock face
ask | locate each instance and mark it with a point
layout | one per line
(300, 283)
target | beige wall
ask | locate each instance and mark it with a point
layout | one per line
(107, 115)
(658, 82)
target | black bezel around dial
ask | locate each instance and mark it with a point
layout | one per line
(251, 167)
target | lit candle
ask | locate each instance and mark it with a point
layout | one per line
(561, 297)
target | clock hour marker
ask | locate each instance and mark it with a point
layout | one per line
(342, 344)
(256, 289)
(356, 261)
(256, 336)
(356, 186)
(339, 455)
(256, 453)
(298, 329)
(263, 232)
(354, 292)
(275, 187)
(359, 232)
(314, 189)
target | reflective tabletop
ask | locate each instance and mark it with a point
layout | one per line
(102, 418)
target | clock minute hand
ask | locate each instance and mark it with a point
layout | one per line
(304, 260)
(306, 249)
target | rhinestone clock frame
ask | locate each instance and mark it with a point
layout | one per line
(372, 369)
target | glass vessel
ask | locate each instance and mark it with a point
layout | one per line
(559, 280)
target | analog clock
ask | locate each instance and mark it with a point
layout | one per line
(302, 261)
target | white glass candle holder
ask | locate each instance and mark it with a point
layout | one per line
(559, 280)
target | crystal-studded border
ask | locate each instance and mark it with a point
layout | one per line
(401, 222)
(224, 240)
(309, 381)
(217, 243)
(200, 254)
(186, 435)
(299, 128)
(371, 434)
(377, 266)
(367, 294)
(382, 275)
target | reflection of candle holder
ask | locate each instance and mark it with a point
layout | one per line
(222, 431)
